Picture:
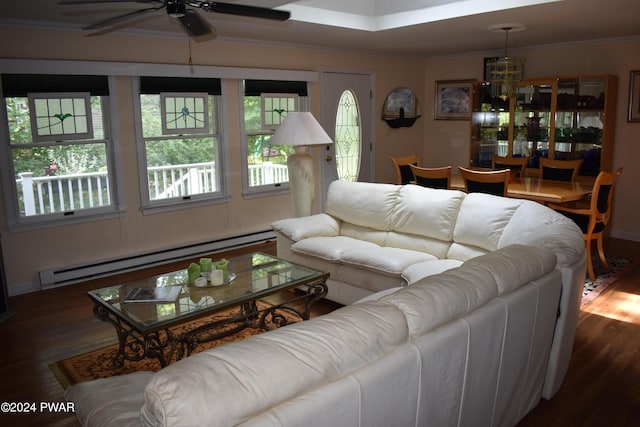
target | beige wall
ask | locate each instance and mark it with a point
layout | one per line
(27, 252)
(438, 142)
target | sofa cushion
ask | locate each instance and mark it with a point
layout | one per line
(463, 252)
(561, 235)
(311, 226)
(110, 401)
(417, 271)
(515, 265)
(362, 203)
(363, 233)
(481, 226)
(367, 280)
(377, 295)
(245, 378)
(436, 247)
(386, 260)
(440, 298)
(329, 248)
(427, 212)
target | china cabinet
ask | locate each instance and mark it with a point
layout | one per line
(568, 117)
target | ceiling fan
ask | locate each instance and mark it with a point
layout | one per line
(191, 21)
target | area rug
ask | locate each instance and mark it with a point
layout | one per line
(619, 267)
(99, 363)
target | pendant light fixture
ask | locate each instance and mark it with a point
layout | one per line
(505, 73)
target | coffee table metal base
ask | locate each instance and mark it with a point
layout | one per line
(166, 346)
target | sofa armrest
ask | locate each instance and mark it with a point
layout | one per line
(110, 401)
(319, 225)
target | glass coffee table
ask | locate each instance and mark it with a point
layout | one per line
(147, 329)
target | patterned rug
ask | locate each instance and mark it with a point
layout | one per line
(619, 267)
(98, 363)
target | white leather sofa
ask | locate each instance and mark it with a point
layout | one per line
(467, 347)
(377, 237)
(476, 344)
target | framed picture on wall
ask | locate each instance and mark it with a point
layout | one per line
(634, 97)
(453, 99)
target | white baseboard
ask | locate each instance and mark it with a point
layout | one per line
(68, 275)
(23, 288)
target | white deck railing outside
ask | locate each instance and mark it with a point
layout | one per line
(64, 193)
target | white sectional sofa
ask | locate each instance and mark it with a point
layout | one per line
(472, 345)
(377, 237)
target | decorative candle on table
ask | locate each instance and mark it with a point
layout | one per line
(217, 277)
(194, 272)
(223, 265)
(206, 266)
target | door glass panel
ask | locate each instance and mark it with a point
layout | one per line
(348, 137)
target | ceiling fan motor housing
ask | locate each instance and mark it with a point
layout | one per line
(191, 21)
(175, 8)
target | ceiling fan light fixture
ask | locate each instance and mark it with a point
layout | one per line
(505, 72)
(176, 9)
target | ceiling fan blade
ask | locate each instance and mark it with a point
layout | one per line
(194, 24)
(243, 10)
(120, 18)
(108, 1)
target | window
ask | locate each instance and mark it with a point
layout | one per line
(266, 104)
(57, 161)
(180, 138)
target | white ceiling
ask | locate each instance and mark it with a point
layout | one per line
(405, 27)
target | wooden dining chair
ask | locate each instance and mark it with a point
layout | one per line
(403, 171)
(593, 219)
(517, 165)
(490, 182)
(559, 170)
(432, 177)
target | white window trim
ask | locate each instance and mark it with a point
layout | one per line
(16, 223)
(150, 207)
(263, 190)
(135, 69)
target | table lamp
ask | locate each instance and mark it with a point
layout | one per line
(300, 129)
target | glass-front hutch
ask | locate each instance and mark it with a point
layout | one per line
(562, 118)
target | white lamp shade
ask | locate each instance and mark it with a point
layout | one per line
(300, 128)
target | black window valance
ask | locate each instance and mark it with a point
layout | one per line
(22, 84)
(149, 85)
(256, 87)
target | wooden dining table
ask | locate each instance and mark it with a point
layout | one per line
(539, 190)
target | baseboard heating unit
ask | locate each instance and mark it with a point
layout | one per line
(75, 274)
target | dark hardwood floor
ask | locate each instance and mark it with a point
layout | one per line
(601, 388)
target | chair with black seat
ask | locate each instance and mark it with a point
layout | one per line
(559, 170)
(432, 177)
(403, 171)
(518, 165)
(490, 182)
(593, 219)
